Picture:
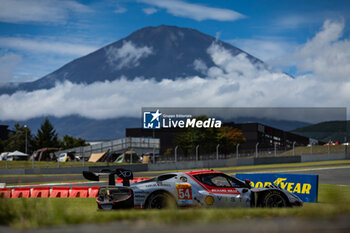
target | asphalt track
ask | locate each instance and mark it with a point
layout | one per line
(334, 175)
(338, 175)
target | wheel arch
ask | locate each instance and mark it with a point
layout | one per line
(262, 194)
(145, 204)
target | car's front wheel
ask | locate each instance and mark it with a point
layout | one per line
(274, 200)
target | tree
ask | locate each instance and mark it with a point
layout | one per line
(46, 136)
(191, 137)
(17, 139)
(71, 142)
(228, 138)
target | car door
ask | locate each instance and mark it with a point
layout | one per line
(224, 192)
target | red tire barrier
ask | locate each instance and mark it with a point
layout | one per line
(41, 192)
(60, 192)
(93, 192)
(82, 192)
(21, 192)
(5, 192)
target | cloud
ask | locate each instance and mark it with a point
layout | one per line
(294, 21)
(126, 56)
(200, 66)
(39, 11)
(231, 82)
(149, 10)
(326, 55)
(44, 46)
(8, 62)
(195, 11)
(267, 49)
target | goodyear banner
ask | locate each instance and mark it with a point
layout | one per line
(304, 186)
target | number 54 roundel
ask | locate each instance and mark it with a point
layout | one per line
(184, 191)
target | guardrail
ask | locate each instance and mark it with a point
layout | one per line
(56, 192)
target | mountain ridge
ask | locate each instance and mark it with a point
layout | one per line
(171, 54)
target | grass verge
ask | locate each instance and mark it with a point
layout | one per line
(32, 213)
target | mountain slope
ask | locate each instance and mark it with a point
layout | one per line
(152, 52)
(325, 131)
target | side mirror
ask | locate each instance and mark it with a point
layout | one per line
(247, 182)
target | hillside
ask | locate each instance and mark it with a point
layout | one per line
(163, 52)
(325, 131)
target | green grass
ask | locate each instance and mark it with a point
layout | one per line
(31, 213)
(305, 150)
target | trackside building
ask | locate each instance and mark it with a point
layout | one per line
(254, 133)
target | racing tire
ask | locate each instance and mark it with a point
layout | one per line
(274, 200)
(160, 200)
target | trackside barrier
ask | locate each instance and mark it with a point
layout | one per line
(56, 192)
(21, 192)
(60, 192)
(40, 192)
(5, 192)
(93, 192)
(81, 192)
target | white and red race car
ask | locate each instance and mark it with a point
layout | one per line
(188, 189)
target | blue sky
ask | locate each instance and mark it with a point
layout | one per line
(39, 36)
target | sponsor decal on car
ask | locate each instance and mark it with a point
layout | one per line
(209, 200)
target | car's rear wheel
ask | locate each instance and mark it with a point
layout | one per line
(275, 200)
(160, 200)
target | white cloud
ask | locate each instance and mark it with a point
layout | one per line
(293, 21)
(39, 11)
(200, 66)
(195, 11)
(232, 82)
(149, 10)
(126, 56)
(8, 62)
(326, 55)
(266, 49)
(44, 46)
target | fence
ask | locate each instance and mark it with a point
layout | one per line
(140, 145)
(198, 155)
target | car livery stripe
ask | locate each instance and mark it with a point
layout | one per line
(214, 190)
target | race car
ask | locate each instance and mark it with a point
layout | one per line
(205, 188)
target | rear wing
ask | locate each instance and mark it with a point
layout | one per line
(126, 175)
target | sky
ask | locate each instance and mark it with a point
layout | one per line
(307, 39)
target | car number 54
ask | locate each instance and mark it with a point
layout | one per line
(184, 192)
